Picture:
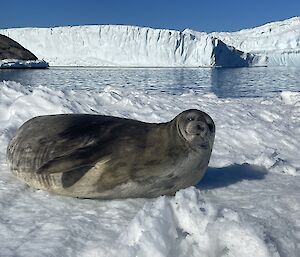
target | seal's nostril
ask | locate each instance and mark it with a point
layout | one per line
(199, 127)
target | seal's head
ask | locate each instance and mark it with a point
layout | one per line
(197, 128)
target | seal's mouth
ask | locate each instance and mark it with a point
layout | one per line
(199, 141)
(192, 133)
(204, 145)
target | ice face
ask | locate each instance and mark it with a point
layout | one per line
(111, 45)
(273, 44)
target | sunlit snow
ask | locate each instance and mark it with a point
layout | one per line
(248, 204)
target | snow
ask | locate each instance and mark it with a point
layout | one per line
(273, 44)
(22, 64)
(248, 204)
(186, 225)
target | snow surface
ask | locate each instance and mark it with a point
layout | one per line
(22, 64)
(273, 44)
(238, 209)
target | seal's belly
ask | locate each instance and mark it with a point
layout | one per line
(91, 185)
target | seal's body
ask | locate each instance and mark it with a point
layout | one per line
(96, 156)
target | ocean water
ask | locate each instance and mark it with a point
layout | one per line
(224, 83)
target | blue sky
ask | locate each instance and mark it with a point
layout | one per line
(205, 15)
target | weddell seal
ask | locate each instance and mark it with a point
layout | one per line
(96, 156)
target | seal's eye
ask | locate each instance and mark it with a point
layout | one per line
(190, 118)
(210, 127)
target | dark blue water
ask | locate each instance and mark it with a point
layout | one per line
(237, 82)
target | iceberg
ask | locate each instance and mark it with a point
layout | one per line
(273, 44)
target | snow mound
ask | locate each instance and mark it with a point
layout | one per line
(186, 225)
(292, 98)
(23, 64)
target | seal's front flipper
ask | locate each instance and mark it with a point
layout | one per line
(78, 159)
(72, 169)
(69, 178)
(61, 165)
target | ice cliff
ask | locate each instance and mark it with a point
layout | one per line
(277, 42)
(109, 45)
(115, 45)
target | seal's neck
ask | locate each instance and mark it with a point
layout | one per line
(174, 134)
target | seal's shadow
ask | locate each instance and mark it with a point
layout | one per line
(225, 176)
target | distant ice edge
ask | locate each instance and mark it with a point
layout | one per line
(273, 44)
(23, 64)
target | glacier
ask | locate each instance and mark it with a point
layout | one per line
(273, 44)
(277, 42)
(116, 45)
